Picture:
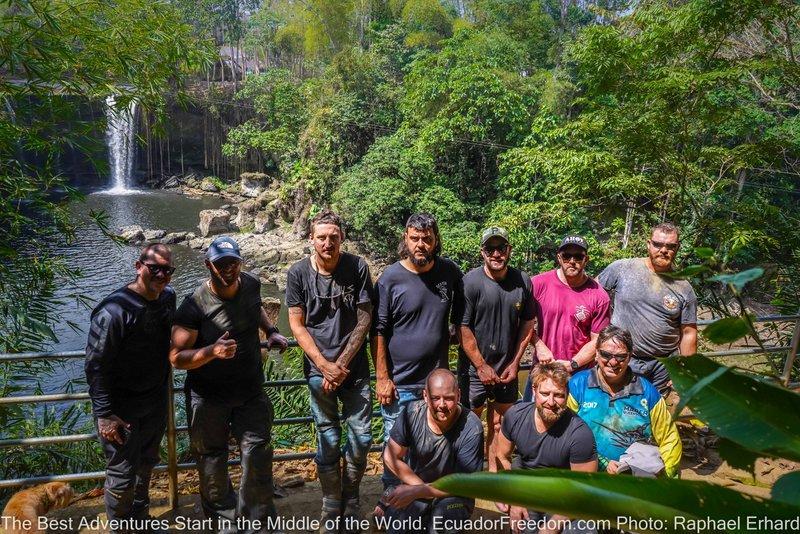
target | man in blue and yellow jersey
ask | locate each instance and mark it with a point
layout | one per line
(622, 408)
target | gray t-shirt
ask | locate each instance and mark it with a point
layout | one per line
(568, 441)
(331, 307)
(493, 311)
(432, 456)
(652, 307)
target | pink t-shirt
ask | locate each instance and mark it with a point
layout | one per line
(565, 316)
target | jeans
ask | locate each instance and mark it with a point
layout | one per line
(390, 413)
(446, 513)
(128, 466)
(356, 400)
(250, 422)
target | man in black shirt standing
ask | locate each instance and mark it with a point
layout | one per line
(329, 296)
(496, 329)
(545, 433)
(215, 338)
(127, 367)
(417, 298)
(431, 439)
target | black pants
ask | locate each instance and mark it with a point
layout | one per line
(433, 513)
(128, 466)
(250, 422)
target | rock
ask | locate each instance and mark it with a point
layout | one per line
(300, 224)
(214, 222)
(247, 214)
(252, 184)
(225, 207)
(175, 237)
(154, 235)
(171, 182)
(273, 307)
(132, 234)
(208, 186)
(270, 256)
(293, 481)
(263, 222)
(267, 197)
(196, 243)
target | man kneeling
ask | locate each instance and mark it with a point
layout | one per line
(432, 438)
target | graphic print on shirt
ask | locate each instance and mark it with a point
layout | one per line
(626, 438)
(581, 313)
(670, 302)
(443, 293)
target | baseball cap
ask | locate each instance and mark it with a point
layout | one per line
(493, 231)
(223, 247)
(576, 240)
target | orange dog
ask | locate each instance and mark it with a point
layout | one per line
(22, 512)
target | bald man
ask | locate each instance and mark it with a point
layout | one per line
(432, 438)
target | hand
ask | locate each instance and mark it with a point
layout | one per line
(328, 386)
(277, 340)
(110, 428)
(612, 467)
(405, 494)
(543, 354)
(509, 374)
(502, 507)
(517, 514)
(334, 373)
(567, 365)
(487, 375)
(385, 391)
(224, 348)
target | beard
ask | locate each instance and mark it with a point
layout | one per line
(550, 416)
(420, 262)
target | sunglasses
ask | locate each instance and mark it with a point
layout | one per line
(567, 256)
(608, 355)
(491, 249)
(669, 246)
(154, 269)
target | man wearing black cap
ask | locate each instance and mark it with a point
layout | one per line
(495, 331)
(215, 338)
(571, 310)
(127, 368)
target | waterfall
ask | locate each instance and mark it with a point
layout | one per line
(121, 141)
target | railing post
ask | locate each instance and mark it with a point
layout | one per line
(172, 448)
(792, 356)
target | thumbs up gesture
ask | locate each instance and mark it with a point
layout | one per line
(224, 348)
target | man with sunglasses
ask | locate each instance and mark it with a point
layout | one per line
(329, 296)
(495, 331)
(571, 309)
(127, 367)
(215, 338)
(621, 407)
(659, 311)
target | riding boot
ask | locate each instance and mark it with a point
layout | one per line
(330, 520)
(351, 480)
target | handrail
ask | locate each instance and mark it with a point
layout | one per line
(173, 467)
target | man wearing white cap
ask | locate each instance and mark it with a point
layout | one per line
(215, 338)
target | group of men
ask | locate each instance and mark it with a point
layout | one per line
(585, 408)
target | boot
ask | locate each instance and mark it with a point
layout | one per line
(331, 482)
(351, 480)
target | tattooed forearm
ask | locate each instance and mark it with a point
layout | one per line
(364, 319)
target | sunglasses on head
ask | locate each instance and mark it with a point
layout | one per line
(669, 246)
(567, 256)
(608, 355)
(491, 249)
(154, 269)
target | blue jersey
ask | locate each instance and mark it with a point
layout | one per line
(636, 414)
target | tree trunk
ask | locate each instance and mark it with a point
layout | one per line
(626, 236)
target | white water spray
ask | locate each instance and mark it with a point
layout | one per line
(121, 141)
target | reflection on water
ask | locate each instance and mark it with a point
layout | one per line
(106, 266)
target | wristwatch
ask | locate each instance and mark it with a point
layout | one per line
(273, 330)
(574, 365)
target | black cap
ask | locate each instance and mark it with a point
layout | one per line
(576, 240)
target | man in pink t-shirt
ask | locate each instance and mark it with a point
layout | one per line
(571, 310)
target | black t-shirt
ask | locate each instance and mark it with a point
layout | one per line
(432, 456)
(568, 441)
(493, 311)
(331, 305)
(238, 378)
(413, 312)
(127, 353)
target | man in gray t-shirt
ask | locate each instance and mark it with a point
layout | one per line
(660, 312)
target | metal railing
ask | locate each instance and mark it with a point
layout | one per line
(172, 467)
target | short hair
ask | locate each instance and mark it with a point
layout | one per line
(667, 228)
(615, 333)
(421, 222)
(326, 216)
(155, 248)
(553, 370)
(441, 372)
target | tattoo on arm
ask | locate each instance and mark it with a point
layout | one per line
(364, 319)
